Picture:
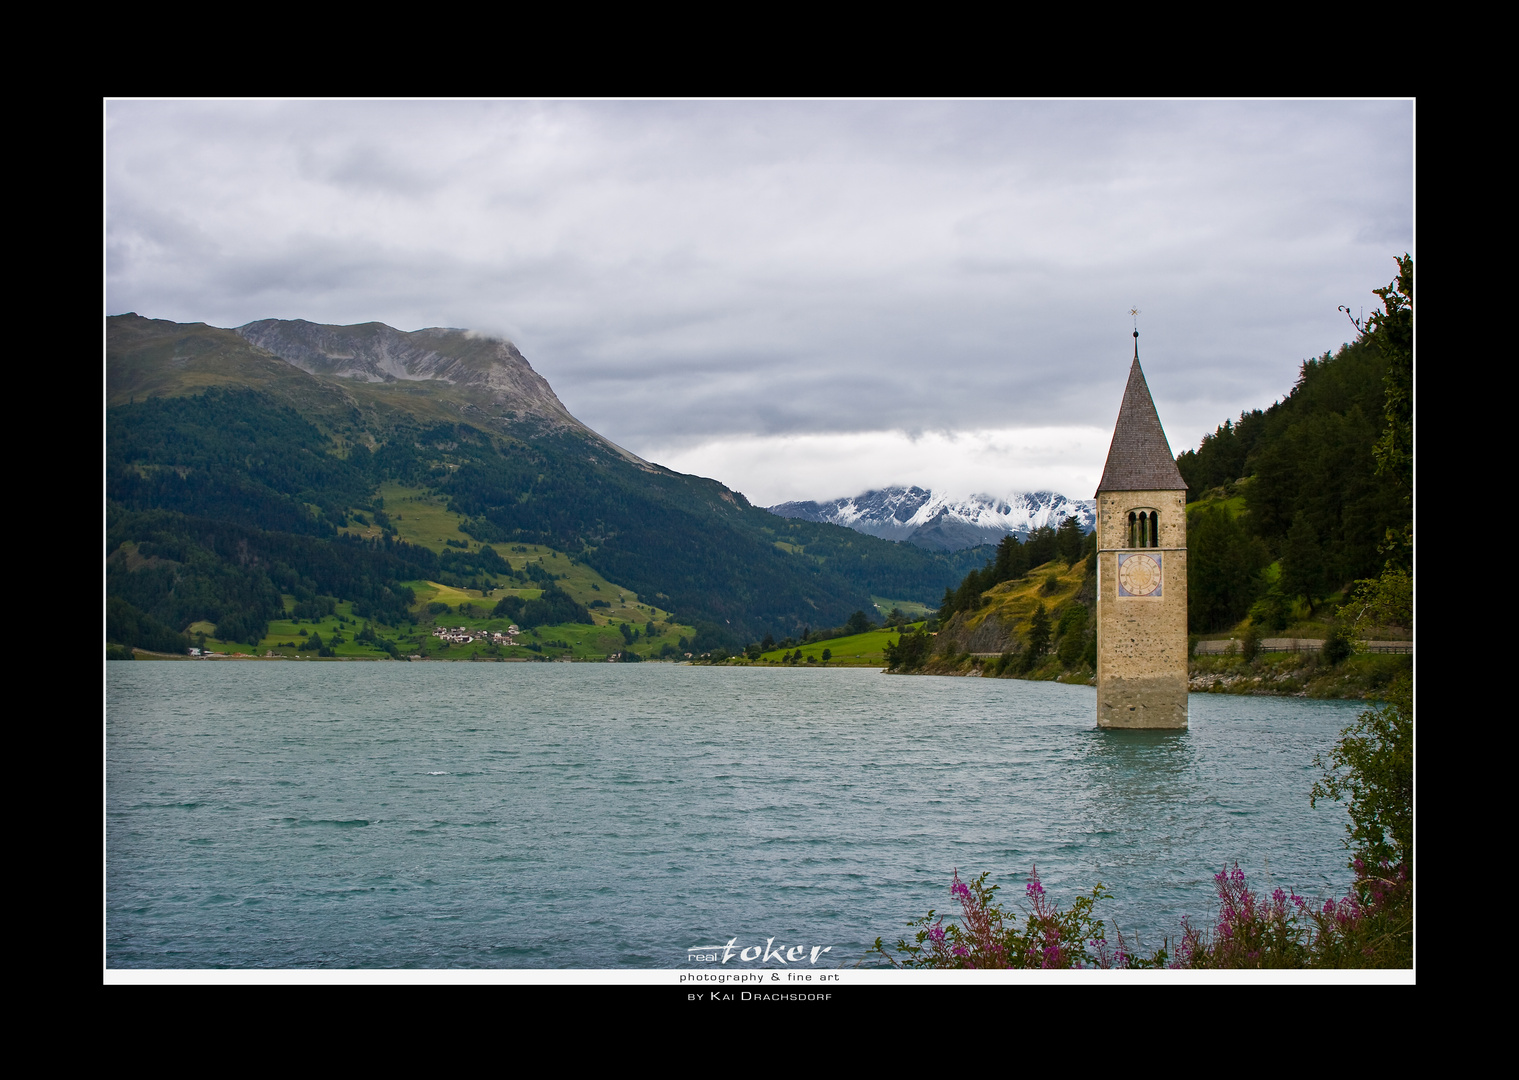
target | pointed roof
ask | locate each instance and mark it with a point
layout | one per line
(1139, 458)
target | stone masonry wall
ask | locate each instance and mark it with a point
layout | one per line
(1142, 641)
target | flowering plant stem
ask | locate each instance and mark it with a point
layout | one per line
(1370, 927)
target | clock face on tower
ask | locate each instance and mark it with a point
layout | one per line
(1139, 575)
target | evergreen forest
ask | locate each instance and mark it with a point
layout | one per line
(237, 488)
(1291, 506)
(1293, 511)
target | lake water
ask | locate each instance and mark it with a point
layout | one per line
(605, 816)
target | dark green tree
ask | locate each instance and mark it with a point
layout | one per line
(1303, 570)
(1339, 642)
(1250, 647)
(131, 628)
(1314, 469)
(1224, 563)
(553, 606)
(1041, 546)
(1269, 613)
(1222, 457)
(1071, 633)
(1391, 332)
(1371, 770)
(909, 652)
(1070, 541)
(1011, 561)
(1388, 598)
(1039, 633)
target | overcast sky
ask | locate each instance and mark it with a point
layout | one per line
(801, 299)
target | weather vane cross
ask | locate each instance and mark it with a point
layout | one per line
(1134, 311)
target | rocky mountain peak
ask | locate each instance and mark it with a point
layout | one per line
(374, 352)
(944, 522)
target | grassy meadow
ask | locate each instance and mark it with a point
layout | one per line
(857, 650)
(911, 608)
(1055, 585)
(424, 519)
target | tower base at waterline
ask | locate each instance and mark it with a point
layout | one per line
(1155, 702)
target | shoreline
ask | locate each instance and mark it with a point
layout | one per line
(1363, 676)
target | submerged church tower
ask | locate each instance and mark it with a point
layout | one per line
(1141, 571)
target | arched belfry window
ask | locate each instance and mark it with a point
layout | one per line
(1144, 529)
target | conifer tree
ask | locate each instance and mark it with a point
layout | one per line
(1070, 541)
(1039, 633)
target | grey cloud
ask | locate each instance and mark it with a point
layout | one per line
(680, 269)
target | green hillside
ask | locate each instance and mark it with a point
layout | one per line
(1290, 506)
(1299, 524)
(852, 650)
(1037, 624)
(237, 481)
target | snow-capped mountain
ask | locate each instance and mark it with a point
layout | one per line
(944, 522)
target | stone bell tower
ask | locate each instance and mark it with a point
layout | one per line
(1141, 571)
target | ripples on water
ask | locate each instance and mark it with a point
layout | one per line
(592, 816)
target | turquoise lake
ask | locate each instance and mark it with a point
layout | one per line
(286, 815)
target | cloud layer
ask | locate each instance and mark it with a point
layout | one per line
(723, 282)
(771, 469)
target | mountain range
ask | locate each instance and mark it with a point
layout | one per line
(237, 461)
(942, 522)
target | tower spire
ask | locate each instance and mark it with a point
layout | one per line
(1139, 458)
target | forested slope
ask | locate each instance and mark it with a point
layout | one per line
(1294, 503)
(231, 473)
(1289, 506)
